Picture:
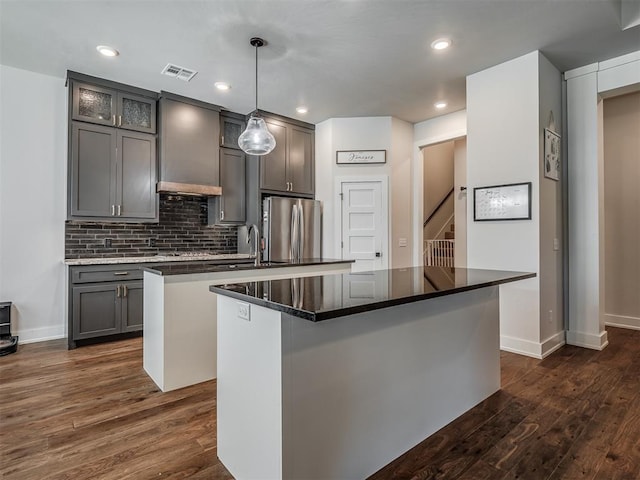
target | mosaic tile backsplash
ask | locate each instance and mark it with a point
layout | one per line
(182, 228)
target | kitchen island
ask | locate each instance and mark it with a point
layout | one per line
(334, 376)
(179, 313)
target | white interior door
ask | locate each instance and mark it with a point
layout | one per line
(364, 224)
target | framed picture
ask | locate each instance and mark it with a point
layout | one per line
(551, 154)
(502, 202)
(361, 156)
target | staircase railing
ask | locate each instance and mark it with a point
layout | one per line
(439, 253)
(438, 207)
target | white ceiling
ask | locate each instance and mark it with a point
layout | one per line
(340, 58)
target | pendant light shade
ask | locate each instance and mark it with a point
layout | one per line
(256, 139)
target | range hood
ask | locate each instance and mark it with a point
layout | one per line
(189, 141)
(188, 189)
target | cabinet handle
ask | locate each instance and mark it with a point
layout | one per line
(221, 214)
(118, 291)
(113, 210)
(124, 289)
(291, 186)
(119, 210)
(119, 120)
(121, 273)
(288, 186)
(113, 119)
(222, 140)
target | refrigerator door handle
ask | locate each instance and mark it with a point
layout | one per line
(301, 230)
(294, 233)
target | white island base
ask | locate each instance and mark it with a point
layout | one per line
(180, 328)
(341, 398)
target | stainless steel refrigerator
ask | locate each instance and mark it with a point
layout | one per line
(291, 228)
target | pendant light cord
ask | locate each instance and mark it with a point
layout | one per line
(256, 78)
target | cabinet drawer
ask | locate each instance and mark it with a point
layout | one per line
(101, 275)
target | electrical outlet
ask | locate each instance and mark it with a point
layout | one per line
(107, 243)
(152, 242)
(243, 311)
(556, 244)
(550, 316)
(402, 242)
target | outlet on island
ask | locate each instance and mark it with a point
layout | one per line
(243, 311)
(107, 243)
(152, 242)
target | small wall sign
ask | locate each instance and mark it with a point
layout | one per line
(361, 156)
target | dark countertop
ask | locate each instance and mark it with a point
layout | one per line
(329, 296)
(188, 268)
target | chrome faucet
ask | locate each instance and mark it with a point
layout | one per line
(255, 252)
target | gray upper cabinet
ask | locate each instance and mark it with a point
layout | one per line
(231, 127)
(92, 188)
(290, 167)
(112, 107)
(136, 165)
(231, 206)
(189, 137)
(273, 166)
(301, 165)
(112, 174)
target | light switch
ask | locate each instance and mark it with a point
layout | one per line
(402, 242)
(243, 311)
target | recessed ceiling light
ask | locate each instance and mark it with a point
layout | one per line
(107, 51)
(222, 86)
(302, 109)
(440, 105)
(441, 44)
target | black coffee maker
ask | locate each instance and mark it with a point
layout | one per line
(8, 343)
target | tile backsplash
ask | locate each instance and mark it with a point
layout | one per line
(182, 228)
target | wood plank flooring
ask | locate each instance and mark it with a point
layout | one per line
(92, 413)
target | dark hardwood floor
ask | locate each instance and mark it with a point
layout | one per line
(92, 413)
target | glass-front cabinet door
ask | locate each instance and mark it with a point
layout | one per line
(94, 104)
(136, 113)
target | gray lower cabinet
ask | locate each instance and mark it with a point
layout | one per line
(290, 167)
(112, 174)
(104, 301)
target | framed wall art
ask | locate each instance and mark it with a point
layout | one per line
(502, 202)
(551, 154)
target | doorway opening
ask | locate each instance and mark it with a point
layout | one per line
(444, 204)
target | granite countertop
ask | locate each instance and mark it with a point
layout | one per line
(243, 264)
(157, 259)
(327, 296)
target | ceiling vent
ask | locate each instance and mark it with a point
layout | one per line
(185, 74)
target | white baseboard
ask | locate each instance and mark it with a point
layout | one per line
(532, 349)
(42, 334)
(588, 340)
(553, 343)
(621, 321)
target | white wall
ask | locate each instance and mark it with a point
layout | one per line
(507, 108)
(365, 133)
(33, 162)
(551, 213)
(460, 206)
(585, 85)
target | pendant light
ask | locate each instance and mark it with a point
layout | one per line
(256, 139)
